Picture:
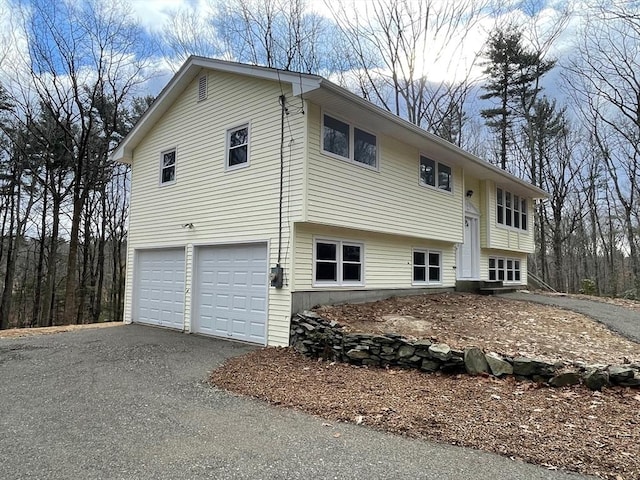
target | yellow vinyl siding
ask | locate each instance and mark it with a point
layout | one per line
(507, 238)
(233, 206)
(388, 261)
(390, 200)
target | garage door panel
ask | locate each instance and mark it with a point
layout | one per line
(233, 305)
(160, 287)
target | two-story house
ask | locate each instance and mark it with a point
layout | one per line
(256, 193)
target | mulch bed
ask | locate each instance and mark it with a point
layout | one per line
(572, 428)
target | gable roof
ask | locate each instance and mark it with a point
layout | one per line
(329, 95)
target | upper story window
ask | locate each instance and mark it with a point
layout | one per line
(168, 167)
(511, 210)
(338, 262)
(238, 147)
(435, 174)
(348, 142)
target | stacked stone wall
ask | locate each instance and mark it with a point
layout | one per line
(318, 337)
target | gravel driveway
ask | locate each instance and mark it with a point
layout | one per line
(130, 403)
(619, 319)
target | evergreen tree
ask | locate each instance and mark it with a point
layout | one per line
(513, 73)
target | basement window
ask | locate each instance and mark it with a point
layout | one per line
(338, 262)
(504, 269)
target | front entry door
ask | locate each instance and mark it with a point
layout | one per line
(469, 251)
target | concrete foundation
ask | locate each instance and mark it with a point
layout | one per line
(305, 300)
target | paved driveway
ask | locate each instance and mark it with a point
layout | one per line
(619, 319)
(129, 402)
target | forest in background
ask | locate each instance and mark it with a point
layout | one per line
(75, 76)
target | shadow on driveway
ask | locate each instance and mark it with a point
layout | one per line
(131, 402)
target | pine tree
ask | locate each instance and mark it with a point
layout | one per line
(513, 73)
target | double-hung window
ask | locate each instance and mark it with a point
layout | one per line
(168, 167)
(237, 147)
(427, 267)
(348, 142)
(504, 269)
(338, 262)
(511, 210)
(435, 174)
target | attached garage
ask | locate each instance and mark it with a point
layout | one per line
(159, 287)
(230, 291)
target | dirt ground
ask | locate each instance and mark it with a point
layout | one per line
(29, 332)
(496, 324)
(571, 428)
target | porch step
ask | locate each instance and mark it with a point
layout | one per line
(485, 287)
(474, 286)
(500, 289)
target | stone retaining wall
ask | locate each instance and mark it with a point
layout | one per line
(318, 337)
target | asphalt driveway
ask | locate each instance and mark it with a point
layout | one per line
(130, 402)
(622, 320)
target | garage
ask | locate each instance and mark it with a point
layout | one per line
(230, 298)
(159, 292)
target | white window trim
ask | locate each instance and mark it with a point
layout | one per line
(339, 242)
(175, 167)
(426, 251)
(505, 269)
(240, 166)
(352, 127)
(504, 226)
(434, 187)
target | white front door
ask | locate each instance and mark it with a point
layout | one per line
(469, 251)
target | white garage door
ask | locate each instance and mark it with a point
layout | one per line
(159, 293)
(231, 292)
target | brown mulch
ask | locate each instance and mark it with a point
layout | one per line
(508, 327)
(570, 428)
(30, 332)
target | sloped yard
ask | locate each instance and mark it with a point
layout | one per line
(573, 428)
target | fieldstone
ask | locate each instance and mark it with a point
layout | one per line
(374, 362)
(406, 351)
(631, 382)
(498, 365)
(429, 365)
(619, 374)
(528, 367)
(595, 379)
(422, 343)
(381, 340)
(423, 352)
(415, 359)
(474, 361)
(358, 354)
(301, 347)
(310, 314)
(440, 351)
(564, 379)
(387, 350)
